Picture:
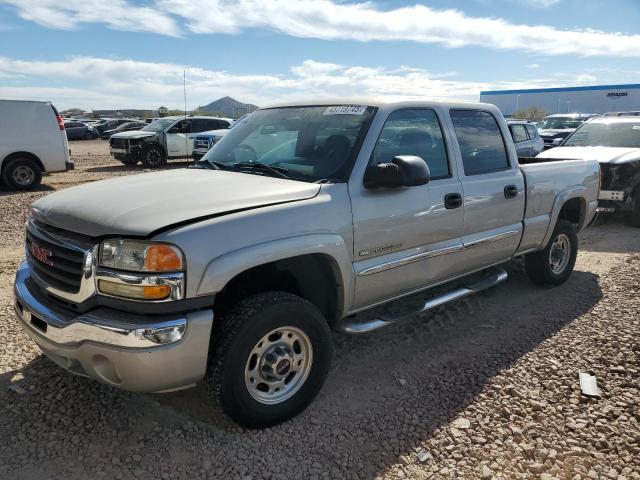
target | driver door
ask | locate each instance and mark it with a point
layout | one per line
(407, 238)
(177, 139)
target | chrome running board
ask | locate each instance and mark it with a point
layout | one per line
(354, 327)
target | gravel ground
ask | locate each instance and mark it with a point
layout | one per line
(487, 388)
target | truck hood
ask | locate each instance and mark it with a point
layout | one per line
(134, 133)
(138, 205)
(614, 155)
(214, 133)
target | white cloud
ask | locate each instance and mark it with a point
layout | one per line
(533, 66)
(117, 14)
(329, 20)
(90, 82)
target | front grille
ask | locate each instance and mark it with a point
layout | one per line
(202, 142)
(63, 266)
(119, 143)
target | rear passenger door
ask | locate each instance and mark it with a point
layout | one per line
(537, 145)
(493, 189)
(521, 140)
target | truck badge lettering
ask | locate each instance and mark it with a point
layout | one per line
(41, 254)
(383, 248)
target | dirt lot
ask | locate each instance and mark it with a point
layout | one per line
(487, 388)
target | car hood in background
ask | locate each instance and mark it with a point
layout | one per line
(138, 205)
(555, 131)
(134, 133)
(602, 154)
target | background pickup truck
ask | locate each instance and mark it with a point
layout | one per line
(168, 137)
(299, 219)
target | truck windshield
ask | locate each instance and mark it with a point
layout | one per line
(559, 123)
(303, 143)
(159, 125)
(605, 134)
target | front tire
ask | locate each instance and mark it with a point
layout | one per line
(21, 174)
(153, 157)
(553, 265)
(633, 217)
(269, 359)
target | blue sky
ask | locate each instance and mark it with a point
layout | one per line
(126, 53)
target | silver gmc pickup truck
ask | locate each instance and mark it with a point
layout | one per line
(305, 215)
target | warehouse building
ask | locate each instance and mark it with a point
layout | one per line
(596, 99)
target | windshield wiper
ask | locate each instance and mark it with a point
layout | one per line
(280, 171)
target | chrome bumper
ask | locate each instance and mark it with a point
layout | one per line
(135, 352)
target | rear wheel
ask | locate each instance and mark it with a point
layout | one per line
(633, 217)
(269, 359)
(88, 135)
(553, 265)
(21, 174)
(153, 157)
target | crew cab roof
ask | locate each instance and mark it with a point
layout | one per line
(389, 104)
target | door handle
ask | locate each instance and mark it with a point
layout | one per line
(452, 200)
(510, 191)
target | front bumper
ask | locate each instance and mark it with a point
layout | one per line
(140, 353)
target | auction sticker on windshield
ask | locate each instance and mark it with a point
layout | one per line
(345, 110)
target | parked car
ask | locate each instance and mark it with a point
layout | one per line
(205, 140)
(613, 140)
(526, 138)
(110, 124)
(169, 137)
(555, 128)
(125, 127)
(32, 142)
(299, 219)
(80, 131)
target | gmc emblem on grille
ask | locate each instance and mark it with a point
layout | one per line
(41, 254)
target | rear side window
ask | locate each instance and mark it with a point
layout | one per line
(519, 133)
(413, 132)
(481, 143)
(533, 132)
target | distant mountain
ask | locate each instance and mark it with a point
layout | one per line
(226, 105)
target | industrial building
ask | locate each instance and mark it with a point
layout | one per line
(595, 99)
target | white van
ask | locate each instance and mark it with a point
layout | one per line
(32, 142)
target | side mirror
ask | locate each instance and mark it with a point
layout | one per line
(402, 171)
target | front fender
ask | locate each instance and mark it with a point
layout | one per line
(222, 269)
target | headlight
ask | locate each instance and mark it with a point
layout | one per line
(140, 256)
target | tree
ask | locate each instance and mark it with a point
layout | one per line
(531, 113)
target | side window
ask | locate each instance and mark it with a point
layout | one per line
(219, 124)
(519, 133)
(533, 132)
(413, 132)
(199, 125)
(480, 141)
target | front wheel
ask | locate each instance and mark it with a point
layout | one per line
(553, 265)
(633, 217)
(153, 157)
(269, 359)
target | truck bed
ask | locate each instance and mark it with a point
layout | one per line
(549, 184)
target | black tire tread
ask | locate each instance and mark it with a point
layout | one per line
(229, 328)
(536, 263)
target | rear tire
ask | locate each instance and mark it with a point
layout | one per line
(88, 136)
(269, 358)
(21, 174)
(633, 217)
(553, 265)
(153, 157)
